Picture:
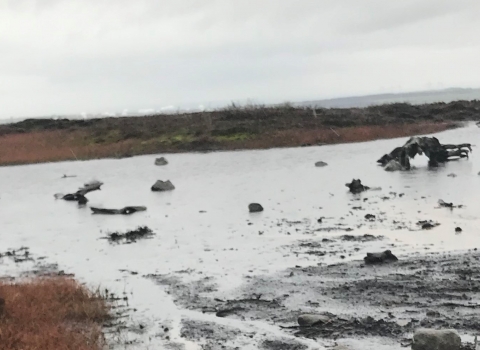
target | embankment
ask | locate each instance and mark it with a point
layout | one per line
(256, 127)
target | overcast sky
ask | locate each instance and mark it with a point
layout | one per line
(73, 56)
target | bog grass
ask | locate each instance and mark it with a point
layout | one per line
(60, 145)
(51, 313)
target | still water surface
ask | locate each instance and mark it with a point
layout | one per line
(220, 242)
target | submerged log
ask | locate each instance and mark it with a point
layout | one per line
(431, 147)
(123, 211)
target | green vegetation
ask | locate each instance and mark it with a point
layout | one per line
(234, 127)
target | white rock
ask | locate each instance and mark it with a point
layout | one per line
(393, 165)
(431, 339)
(308, 320)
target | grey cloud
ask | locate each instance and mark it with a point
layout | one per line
(374, 15)
(78, 55)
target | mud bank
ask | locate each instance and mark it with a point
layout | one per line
(361, 302)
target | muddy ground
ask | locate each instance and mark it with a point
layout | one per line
(359, 302)
(437, 290)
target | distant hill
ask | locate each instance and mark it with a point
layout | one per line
(422, 97)
(447, 95)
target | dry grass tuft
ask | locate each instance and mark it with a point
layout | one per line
(51, 313)
(48, 146)
(298, 137)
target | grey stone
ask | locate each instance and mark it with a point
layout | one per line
(161, 186)
(356, 186)
(378, 258)
(308, 320)
(161, 161)
(320, 164)
(255, 208)
(393, 165)
(431, 339)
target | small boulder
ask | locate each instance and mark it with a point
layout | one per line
(89, 187)
(452, 175)
(161, 186)
(427, 224)
(393, 165)
(308, 320)
(255, 208)
(385, 159)
(378, 258)
(431, 339)
(320, 164)
(458, 229)
(161, 161)
(370, 217)
(356, 186)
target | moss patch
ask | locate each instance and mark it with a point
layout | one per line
(232, 137)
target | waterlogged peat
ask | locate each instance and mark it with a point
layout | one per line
(433, 291)
(142, 232)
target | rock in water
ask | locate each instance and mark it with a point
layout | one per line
(428, 225)
(255, 208)
(89, 187)
(356, 186)
(393, 165)
(431, 339)
(378, 258)
(320, 164)
(161, 186)
(308, 320)
(161, 161)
